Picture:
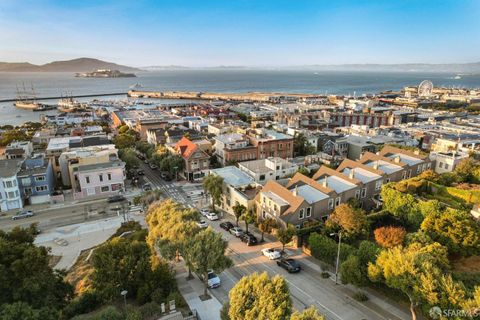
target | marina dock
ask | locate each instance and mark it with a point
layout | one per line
(75, 96)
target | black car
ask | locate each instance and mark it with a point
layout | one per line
(227, 225)
(289, 264)
(116, 198)
(140, 156)
(165, 176)
(249, 239)
(140, 172)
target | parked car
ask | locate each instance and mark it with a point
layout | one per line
(116, 198)
(271, 253)
(290, 265)
(212, 216)
(227, 225)
(23, 214)
(202, 224)
(153, 166)
(236, 231)
(140, 172)
(204, 211)
(249, 239)
(147, 187)
(165, 176)
(141, 156)
(213, 280)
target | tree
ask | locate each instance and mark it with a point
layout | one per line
(304, 171)
(407, 268)
(13, 135)
(310, 313)
(259, 297)
(301, 145)
(125, 264)
(123, 141)
(207, 249)
(354, 269)
(248, 217)
(26, 279)
(285, 235)
(266, 225)
(172, 163)
(129, 156)
(465, 170)
(170, 228)
(389, 237)
(401, 205)
(238, 211)
(455, 229)
(212, 184)
(352, 221)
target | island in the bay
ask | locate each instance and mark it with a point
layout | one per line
(104, 73)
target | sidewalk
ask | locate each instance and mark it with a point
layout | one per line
(191, 291)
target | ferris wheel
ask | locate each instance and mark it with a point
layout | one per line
(425, 88)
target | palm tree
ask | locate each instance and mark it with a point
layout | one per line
(212, 184)
(238, 210)
(266, 225)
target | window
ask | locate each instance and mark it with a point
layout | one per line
(378, 185)
(419, 168)
(100, 177)
(28, 190)
(309, 212)
(264, 215)
(26, 181)
(262, 177)
(41, 188)
(429, 165)
(105, 189)
(109, 176)
(357, 194)
(8, 184)
(337, 201)
(87, 179)
(446, 166)
(40, 178)
(330, 203)
(11, 195)
(387, 180)
(301, 214)
(440, 164)
(404, 176)
(364, 192)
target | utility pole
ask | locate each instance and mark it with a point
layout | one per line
(338, 254)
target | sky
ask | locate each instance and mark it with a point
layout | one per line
(241, 32)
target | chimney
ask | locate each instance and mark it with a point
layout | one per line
(324, 182)
(397, 159)
(351, 174)
(375, 165)
(417, 152)
(295, 191)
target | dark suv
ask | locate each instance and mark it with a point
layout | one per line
(289, 264)
(116, 198)
(227, 225)
(249, 239)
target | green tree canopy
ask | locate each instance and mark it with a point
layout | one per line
(352, 221)
(212, 184)
(285, 235)
(123, 141)
(266, 225)
(310, 313)
(301, 145)
(238, 211)
(207, 251)
(259, 297)
(129, 156)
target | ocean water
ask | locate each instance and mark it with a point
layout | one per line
(322, 82)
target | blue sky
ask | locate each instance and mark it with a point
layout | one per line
(242, 32)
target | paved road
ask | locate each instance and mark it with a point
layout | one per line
(306, 288)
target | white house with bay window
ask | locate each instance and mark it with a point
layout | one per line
(10, 196)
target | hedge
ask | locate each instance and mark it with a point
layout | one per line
(325, 249)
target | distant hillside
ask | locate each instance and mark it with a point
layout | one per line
(75, 65)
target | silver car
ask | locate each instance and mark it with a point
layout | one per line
(23, 214)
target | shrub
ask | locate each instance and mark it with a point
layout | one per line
(360, 296)
(325, 249)
(389, 237)
(179, 301)
(150, 309)
(85, 303)
(325, 275)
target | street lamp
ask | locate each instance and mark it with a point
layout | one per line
(124, 294)
(176, 172)
(338, 253)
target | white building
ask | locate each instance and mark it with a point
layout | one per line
(10, 196)
(447, 161)
(273, 168)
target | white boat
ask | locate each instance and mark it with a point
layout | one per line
(457, 77)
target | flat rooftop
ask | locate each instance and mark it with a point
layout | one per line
(310, 194)
(384, 166)
(233, 176)
(338, 184)
(275, 198)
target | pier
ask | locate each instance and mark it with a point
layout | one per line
(75, 96)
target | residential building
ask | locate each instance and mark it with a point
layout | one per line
(10, 197)
(273, 168)
(415, 162)
(36, 180)
(234, 147)
(97, 179)
(238, 187)
(19, 150)
(197, 161)
(447, 161)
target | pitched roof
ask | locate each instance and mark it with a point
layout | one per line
(283, 193)
(324, 170)
(347, 163)
(186, 148)
(386, 150)
(298, 177)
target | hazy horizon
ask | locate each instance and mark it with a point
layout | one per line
(244, 33)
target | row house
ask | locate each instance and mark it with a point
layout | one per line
(303, 199)
(10, 196)
(36, 180)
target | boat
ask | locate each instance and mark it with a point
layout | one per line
(27, 100)
(457, 77)
(68, 104)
